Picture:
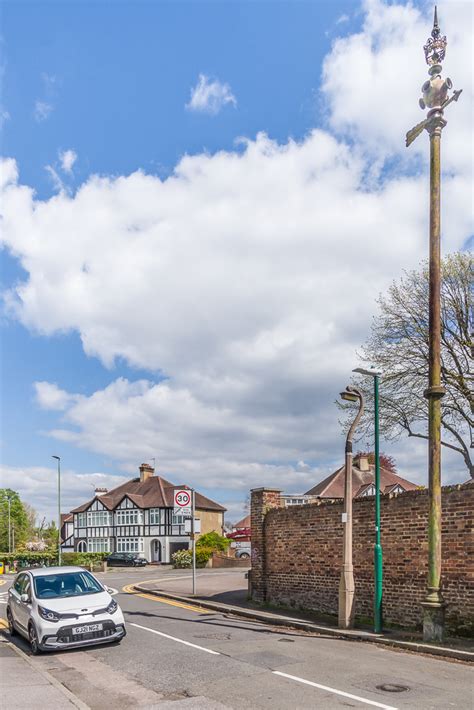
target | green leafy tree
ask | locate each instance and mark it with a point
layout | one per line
(214, 541)
(20, 522)
(399, 346)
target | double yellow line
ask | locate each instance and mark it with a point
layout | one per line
(129, 589)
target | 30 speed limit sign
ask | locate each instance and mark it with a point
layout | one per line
(182, 502)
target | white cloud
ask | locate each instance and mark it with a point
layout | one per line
(210, 96)
(67, 159)
(4, 117)
(50, 396)
(56, 179)
(42, 110)
(247, 278)
(37, 485)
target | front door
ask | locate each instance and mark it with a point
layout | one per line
(156, 551)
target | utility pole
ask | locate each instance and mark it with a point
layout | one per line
(435, 98)
(9, 525)
(193, 537)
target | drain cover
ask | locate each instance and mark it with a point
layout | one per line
(392, 688)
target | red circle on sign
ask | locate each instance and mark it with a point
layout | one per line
(182, 499)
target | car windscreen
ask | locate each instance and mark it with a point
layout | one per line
(66, 584)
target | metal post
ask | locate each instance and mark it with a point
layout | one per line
(346, 583)
(9, 526)
(193, 538)
(58, 459)
(378, 560)
(435, 97)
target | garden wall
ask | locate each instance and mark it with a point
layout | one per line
(296, 555)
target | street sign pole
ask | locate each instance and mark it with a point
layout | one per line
(193, 538)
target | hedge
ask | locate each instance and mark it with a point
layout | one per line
(49, 559)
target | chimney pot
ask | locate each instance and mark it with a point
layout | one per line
(364, 463)
(99, 491)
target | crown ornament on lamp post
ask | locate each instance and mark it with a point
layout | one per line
(435, 91)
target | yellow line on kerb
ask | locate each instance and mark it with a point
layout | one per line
(128, 589)
(3, 624)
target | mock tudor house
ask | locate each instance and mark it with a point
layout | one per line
(138, 517)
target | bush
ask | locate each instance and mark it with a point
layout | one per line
(28, 559)
(214, 541)
(83, 559)
(182, 559)
(203, 555)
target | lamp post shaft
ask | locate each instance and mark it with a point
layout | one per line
(59, 512)
(378, 559)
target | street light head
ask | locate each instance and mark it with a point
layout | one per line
(56, 457)
(372, 371)
(349, 396)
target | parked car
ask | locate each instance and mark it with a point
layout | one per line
(125, 559)
(62, 607)
(242, 553)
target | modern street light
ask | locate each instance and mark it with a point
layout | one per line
(58, 458)
(435, 98)
(378, 557)
(346, 584)
(9, 525)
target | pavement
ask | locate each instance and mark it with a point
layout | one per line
(178, 655)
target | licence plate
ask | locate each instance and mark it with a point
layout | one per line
(87, 628)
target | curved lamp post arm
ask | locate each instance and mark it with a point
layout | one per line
(359, 395)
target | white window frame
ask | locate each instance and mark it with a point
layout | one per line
(128, 516)
(155, 516)
(98, 518)
(129, 544)
(98, 544)
(81, 520)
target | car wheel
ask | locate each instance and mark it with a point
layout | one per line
(11, 626)
(33, 639)
(245, 556)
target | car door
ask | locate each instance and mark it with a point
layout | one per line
(24, 608)
(16, 605)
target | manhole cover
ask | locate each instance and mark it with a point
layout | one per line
(392, 688)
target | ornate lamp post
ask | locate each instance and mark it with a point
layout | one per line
(435, 98)
(346, 584)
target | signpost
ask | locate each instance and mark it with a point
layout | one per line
(184, 505)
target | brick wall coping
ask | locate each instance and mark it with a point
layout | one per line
(264, 488)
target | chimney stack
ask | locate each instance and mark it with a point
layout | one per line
(99, 491)
(363, 463)
(146, 471)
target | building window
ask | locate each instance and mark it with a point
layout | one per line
(81, 546)
(130, 544)
(98, 517)
(98, 544)
(81, 520)
(155, 516)
(178, 519)
(128, 516)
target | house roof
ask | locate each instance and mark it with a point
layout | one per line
(66, 518)
(244, 523)
(154, 492)
(333, 485)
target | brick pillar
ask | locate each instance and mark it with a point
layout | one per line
(262, 500)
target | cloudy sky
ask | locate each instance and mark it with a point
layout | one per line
(201, 202)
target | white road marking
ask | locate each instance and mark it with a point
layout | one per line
(173, 638)
(337, 692)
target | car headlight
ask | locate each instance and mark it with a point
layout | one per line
(113, 606)
(47, 614)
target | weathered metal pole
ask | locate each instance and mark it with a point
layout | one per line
(435, 97)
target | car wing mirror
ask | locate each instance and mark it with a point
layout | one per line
(25, 598)
(110, 590)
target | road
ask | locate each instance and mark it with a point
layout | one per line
(179, 656)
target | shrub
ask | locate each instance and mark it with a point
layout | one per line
(28, 559)
(214, 541)
(182, 559)
(83, 559)
(203, 555)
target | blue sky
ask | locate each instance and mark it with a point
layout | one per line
(110, 86)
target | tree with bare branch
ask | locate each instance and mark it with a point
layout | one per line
(398, 346)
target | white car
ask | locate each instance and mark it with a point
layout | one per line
(62, 607)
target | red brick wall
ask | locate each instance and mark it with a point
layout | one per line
(296, 555)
